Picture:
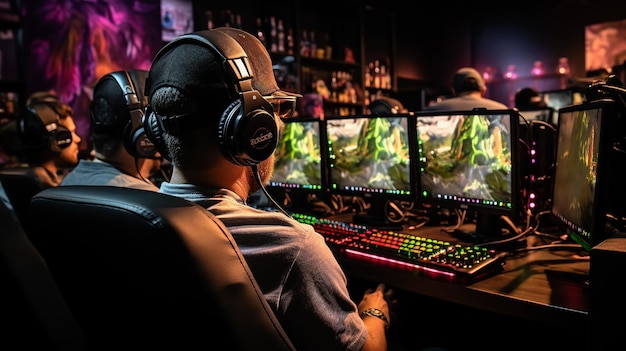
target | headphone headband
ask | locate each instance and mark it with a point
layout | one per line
(247, 130)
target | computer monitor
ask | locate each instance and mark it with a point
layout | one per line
(176, 18)
(299, 167)
(538, 114)
(468, 160)
(557, 99)
(370, 157)
(538, 140)
(588, 185)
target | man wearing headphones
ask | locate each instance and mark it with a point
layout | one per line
(49, 143)
(123, 155)
(215, 117)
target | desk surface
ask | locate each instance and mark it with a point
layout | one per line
(547, 286)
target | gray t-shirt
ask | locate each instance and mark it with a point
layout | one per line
(297, 272)
(5, 199)
(466, 103)
(102, 173)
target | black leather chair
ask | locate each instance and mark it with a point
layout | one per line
(33, 313)
(142, 270)
(20, 188)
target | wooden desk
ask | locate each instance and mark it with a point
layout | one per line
(544, 286)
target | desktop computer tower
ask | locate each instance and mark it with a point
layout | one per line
(607, 295)
(537, 171)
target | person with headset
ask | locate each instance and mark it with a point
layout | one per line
(124, 156)
(48, 140)
(216, 117)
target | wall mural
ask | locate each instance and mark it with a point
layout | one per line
(70, 44)
(605, 45)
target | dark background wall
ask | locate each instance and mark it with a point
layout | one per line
(429, 43)
(432, 45)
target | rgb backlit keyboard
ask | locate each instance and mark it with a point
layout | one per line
(431, 257)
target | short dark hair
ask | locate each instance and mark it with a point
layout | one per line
(110, 142)
(470, 84)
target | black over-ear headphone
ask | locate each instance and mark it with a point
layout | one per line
(247, 130)
(134, 137)
(40, 126)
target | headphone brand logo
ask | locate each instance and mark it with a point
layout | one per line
(264, 136)
(64, 141)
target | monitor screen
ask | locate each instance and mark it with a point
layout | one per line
(298, 165)
(540, 114)
(587, 185)
(176, 18)
(468, 160)
(557, 99)
(370, 157)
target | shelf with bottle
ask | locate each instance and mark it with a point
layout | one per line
(338, 89)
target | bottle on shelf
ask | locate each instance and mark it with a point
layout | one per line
(312, 44)
(328, 49)
(273, 35)
(376, 81)
(290, 41)
(209, 19)
(369, 74)
(281, 35)
(305, 45)
(260, 32)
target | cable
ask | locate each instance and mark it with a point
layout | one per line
(559, 246)
(460, 215)
(257, 177)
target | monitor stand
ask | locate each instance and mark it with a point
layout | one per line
(381, 215)
(488, 226)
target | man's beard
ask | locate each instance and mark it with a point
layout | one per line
(265, 169)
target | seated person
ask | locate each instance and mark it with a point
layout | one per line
(48, 141)
(469, 93)
(123, 155)
(529, 99)
(298, 274)
(385, 105)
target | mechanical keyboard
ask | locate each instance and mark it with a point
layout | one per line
(430, 257)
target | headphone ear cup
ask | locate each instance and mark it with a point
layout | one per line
(32, 131)
(247, 139)
(154, 133)
(136, 141)
(60, 139)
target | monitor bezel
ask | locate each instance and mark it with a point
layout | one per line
(370, 194)
(294, 195)
(547, 115)
(513, 212)
(608, 191)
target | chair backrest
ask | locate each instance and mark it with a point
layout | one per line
(33, 312)
(140, 269)
(20, 189)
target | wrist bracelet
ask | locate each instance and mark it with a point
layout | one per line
(375, 312)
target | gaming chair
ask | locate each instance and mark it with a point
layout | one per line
(142, 270)
(33, 313)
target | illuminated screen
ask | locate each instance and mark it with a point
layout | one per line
(176, 18)
(544, 114)
(297, 159)
(369, 156)
(557, 99)
(587, 184)
(468, 160)
(298, 164)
